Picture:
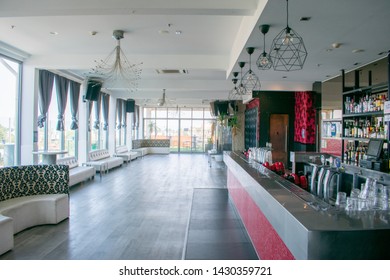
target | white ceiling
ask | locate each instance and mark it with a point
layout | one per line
(214, 37)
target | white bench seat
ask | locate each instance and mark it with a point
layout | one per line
(104, 160)
(124, 153)
(29, 211)
(77, 173)
(6, 234)
(31, 195)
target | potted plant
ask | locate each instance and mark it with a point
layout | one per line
(221, 119)
(233, 123)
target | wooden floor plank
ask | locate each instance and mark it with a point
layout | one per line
(137, 211)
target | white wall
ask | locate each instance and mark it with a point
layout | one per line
(111, 125)
(83, 143)
(29, 113)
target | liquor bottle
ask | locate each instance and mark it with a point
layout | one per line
(381, 130)
(346, 154)
(357, 156)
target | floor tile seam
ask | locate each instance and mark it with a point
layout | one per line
(187, 228)
(189, 219)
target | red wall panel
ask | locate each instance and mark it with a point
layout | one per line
(268, 244)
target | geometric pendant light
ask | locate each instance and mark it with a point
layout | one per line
(288, 52)
(264, 62)
(250, 80)
(234, 93)
(241, 88)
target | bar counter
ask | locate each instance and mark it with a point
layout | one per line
(286, 222)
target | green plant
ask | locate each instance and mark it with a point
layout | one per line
(221, 118)
(233, 123)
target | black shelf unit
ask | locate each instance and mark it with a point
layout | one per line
(358, 92)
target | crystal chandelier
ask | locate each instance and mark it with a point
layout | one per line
(162, 101)
(264, 62)
(116, 70)
(250, 80)
(288, 51)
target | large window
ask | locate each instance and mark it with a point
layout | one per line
(9, 129)
(49, 138)
(98, 136)
(189, 129)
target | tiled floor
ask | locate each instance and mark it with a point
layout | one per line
(215, 231)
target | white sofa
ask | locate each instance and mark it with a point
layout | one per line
(6, 234)
(124, 153)
(103, 160)
(28, 211)
(77, 173)
(151, 146)
(31, 195)
(141, 151)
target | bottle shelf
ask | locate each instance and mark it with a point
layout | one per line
(361, 139)
(370, 89)
(332, 120)
(363, 115)
(368, 114)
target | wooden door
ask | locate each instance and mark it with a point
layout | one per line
(279, 137)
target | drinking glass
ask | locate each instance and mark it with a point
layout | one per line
(364, 193)
(341, 199)
(375, 202)
(363, 204)
(355, 193)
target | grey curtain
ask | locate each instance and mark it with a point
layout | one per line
(62, 98)
(74, 103)
(46, 79)
(90, 104)
(136, 115)
(133, 126)
(105, 106)
(124, 115)
(97, 106)
(119, 113)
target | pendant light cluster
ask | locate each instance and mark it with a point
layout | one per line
(234, 94)
(287, 53)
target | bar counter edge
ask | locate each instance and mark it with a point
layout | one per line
(282, 225)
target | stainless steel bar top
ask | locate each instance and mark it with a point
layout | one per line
(309, 227)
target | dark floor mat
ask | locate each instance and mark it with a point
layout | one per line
(215, 231)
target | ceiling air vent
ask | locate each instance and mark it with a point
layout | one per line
(171, 71)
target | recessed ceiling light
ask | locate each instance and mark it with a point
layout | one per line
(164, 32)
(358, 51)
(54, 33)
(336, 45)
(178, 32)
(304, 18)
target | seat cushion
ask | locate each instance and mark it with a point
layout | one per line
(35, 210)
(80, 174)
(6, 234)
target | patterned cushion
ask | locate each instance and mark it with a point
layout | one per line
(151, 143)
(26, 180)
